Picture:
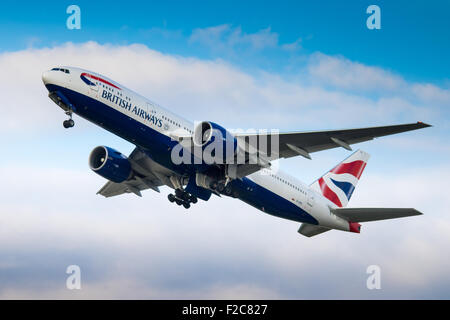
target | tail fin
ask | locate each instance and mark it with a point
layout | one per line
(337, 185)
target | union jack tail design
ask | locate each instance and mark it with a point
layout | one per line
(338, 184)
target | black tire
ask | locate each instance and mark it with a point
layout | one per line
(71, 123)
(179, 202)
(186, 196)
(66, 124)
(171, 198)
(187, 205)
(220, 187)
(194, 199)
(228, 190)
(178, 193)
(213, 185)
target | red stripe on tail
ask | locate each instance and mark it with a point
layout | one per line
(354, 168)
(328, 193)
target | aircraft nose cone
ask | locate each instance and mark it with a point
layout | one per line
(45, 77)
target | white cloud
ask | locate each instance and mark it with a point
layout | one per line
(432, 94)
(225, 36)
(296, 45)
(346, 74)
(131, 247)
(337, 72)
(216, 90)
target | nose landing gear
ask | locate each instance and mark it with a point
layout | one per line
(69, 123)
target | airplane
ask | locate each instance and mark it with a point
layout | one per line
(157, 133)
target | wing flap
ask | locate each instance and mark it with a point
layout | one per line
(302, 143)
(374, 214)
(111, 189)
(322, 140)
(144, 178)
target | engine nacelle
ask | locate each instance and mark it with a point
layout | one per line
(217, 143)
(110, 164)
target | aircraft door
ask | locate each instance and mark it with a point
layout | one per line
(149, 109)
(94, 89)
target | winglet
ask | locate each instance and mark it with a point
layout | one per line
(423, 124)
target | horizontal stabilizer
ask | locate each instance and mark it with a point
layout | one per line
(374, 214)
(310, 230)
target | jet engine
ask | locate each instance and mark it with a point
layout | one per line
(218, 145)
(110, 164)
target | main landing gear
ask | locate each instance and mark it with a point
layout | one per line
(223, 188)
(69, 123)
(183, 198)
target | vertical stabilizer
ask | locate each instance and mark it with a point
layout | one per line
(338, 184)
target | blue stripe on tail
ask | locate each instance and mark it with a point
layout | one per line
(347, 187)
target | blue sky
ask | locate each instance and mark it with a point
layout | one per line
(244, 64)
(413, 40)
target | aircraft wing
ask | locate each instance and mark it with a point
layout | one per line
(142, 179)
(303, 143)
(374, 214)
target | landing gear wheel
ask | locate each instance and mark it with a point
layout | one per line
(181, 197)
(193, 199)
(213, 185)
(220, 187)
(228, 190)
(181, 194)
(68, 123)
(186, 197)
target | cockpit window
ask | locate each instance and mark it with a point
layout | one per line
(60, 69)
